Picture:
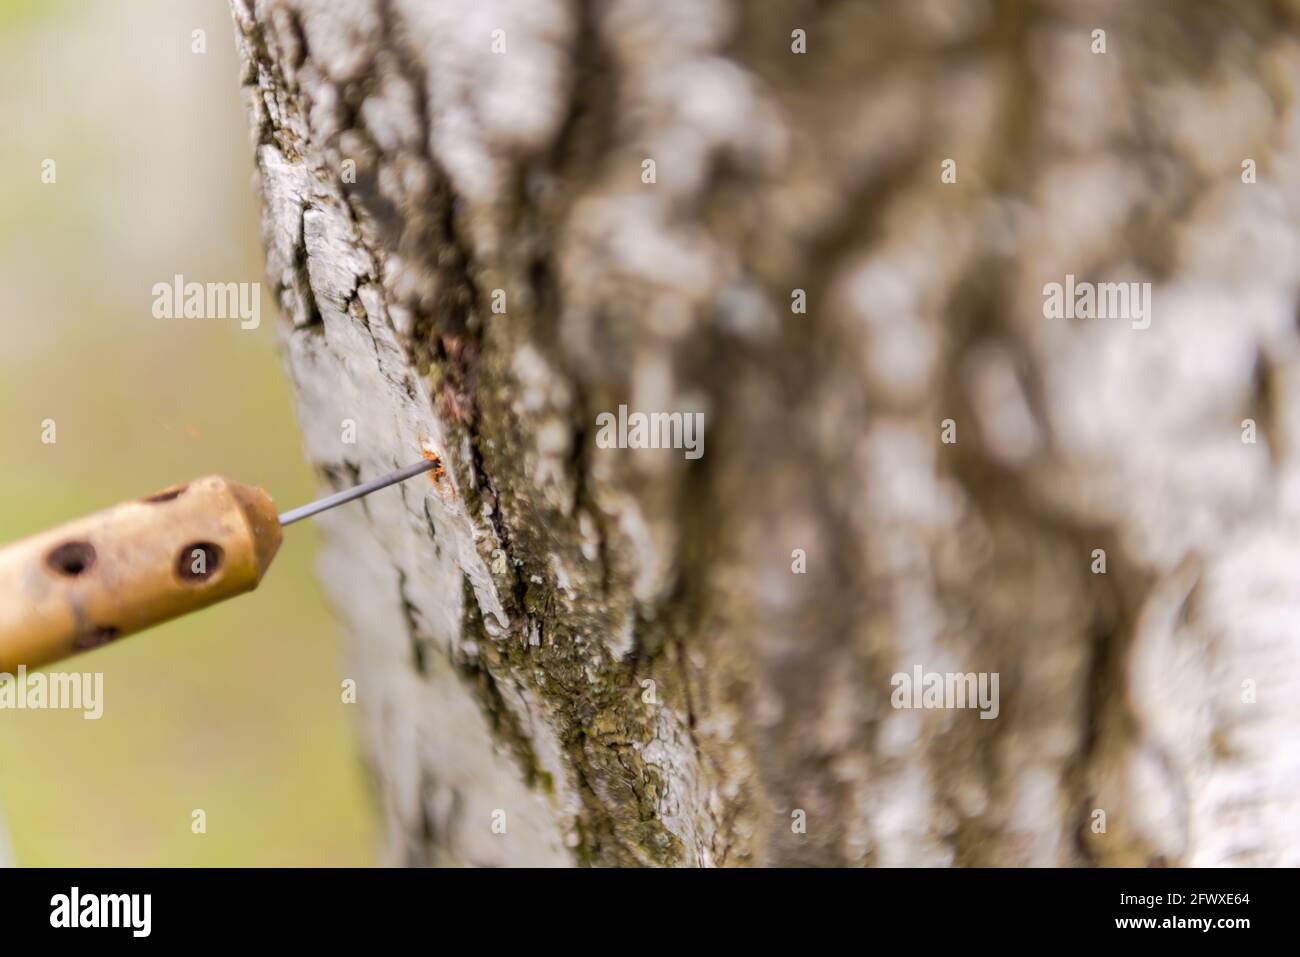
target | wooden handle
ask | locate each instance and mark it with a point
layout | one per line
(131, 566)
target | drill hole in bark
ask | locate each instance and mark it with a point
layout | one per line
(72, 558)
(166, 495)
(198, 562)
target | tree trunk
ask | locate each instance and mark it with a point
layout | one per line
(488, 223)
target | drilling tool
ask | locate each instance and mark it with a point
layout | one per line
(143, 562)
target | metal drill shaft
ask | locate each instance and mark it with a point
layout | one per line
(348, 494)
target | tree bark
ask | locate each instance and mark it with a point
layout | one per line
(573, 654)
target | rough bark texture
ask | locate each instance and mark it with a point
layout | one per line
(505, 617)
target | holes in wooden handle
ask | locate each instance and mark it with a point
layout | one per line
(71, 558)
(166, 495)
(198, 562)
(95, 636)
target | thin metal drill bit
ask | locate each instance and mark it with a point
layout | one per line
(348, 494)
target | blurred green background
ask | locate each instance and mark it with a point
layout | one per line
(236, 710)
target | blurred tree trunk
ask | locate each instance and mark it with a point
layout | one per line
(488, 222)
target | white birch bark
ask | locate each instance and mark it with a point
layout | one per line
(504, 621)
